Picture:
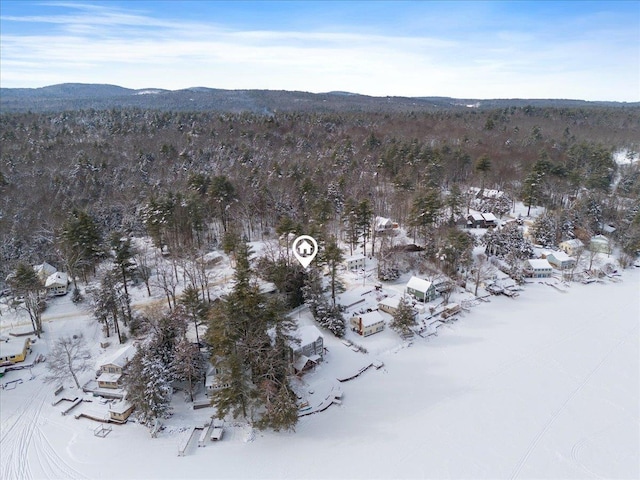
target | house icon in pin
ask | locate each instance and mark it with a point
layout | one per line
(304, 248)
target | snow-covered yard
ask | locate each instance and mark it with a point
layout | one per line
(542, 386)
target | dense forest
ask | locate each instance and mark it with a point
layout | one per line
(77, 186)
(192, 180)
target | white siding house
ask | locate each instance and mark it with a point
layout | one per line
(57, 284)
(356, 262)
(537, 268)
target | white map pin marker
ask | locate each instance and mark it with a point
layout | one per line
(305, 249)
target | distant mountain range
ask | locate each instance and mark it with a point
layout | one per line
(75, 96)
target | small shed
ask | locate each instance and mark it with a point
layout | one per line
(119, 412)
(423, 290)
(367, 323)
(355, 262)
(538, 268)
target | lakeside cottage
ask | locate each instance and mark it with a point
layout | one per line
(310, 351)
(537, 268)
(561, 260)
(14, 351)
(119, 412)
(57, 284)
(112, 369)
(367, 323)
(422, 290)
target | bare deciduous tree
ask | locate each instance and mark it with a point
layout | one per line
(69, 356)
(482, 271)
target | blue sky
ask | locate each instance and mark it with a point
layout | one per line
(508, 49)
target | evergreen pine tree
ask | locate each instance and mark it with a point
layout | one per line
(25, 283)
(82, 239)
(148, 384)
(404, 318)
(187, 365)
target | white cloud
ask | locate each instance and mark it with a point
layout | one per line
(105, 45)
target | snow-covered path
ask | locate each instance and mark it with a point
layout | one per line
(542, 386)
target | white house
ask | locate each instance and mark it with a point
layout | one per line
(383, 224)
(367, 323)
(561, 260)
(423, 290)
(537, 268)
(57, 283)
(355, 262)
(571, 247)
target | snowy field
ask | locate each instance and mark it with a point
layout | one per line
(542, 386)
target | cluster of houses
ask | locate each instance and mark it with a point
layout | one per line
(55, 283)
(109, 379)
(564, 259)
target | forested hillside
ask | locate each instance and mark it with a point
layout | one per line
(190, 180)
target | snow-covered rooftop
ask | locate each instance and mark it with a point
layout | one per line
(392, 302)
(370, 318)
(57, 279)
(574, 242)
(308, 334)
(119, 408)
(121, 356)
(539, 263)
(12, 347)
(561, 256)
(419, 284)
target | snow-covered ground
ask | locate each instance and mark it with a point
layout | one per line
(542, 386)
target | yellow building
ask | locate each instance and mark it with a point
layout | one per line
(14, 351)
